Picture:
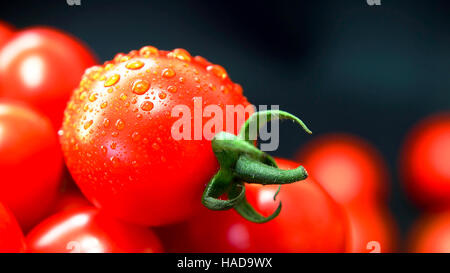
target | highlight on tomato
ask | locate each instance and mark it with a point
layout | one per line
(41, 66)
(11, 236)
(88, 230)
(310, 221)
(424, 162)
(430, 233)
(30, 163)
(119, 144)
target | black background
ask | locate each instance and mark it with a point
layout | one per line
(339, 65)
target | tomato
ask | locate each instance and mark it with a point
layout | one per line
(6, 31)
(348, 167)
(30, 163)
(310, 221)
(41, 66)
(117, 134)
(11, 237)
(424, 161)
(431, 233)
(68, 200)
(372, 229)
(86, 229)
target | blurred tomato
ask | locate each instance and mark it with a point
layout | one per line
(86, 229)
(68, 200)
(11, 237)
(30, 163)
(373, 230)
(42, 66)
(425, 161)
(431, 234)
(351, 170)
(310, 221)
(6, 31)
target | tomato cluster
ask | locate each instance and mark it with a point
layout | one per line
(89, 162)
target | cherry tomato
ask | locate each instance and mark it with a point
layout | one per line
(42, 66)
(348, 167)
(372, 229)
(11, 237)
(68, 200)
(30, 163)
(85, 230)
(117, 135)
(310, 221)
(431, 233)
(425, 161)
(6, 31)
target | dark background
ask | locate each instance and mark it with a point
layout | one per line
(339, 65)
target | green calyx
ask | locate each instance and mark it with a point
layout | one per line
(241, 162)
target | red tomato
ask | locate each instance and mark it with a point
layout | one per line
(425, 161)
(69, 200)
(349, 168)
(310, 221)
(372, 229)
(30, 163)
(41, 66)
(11, 237)
(86, 229)
(431, 234)
(117, 134)
(6, 31)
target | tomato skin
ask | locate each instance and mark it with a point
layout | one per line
(310, 221)
(11, 236)
(41, 66)
(122, 154)
(85, 230)
(6, 32)
(30, 163)
(424, 162)
(372, 230)
(350, 169)
(430, 233)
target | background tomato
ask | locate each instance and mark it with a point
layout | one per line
(117, 134)
(86, 229)
(372, 230)
(431, 233)
(42, 66)
(348, 167)
(310, 221)
(424, 162)
(11, 237)
(30, 163)
(6, 31)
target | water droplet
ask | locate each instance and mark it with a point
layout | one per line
(103, 105)
(109, 66)
(115, 134)
(136, 136)
(135, 65)
(103, 149)
(123, 96)
(112, 80)
(172, 89)
(162, 95)
(115, 161)
(120, 124)
(88, 124)
(106, 123)
(110, 90)
(60, 132)
(168, 73)
(147, 51)
(218, 71)
(113, 145)
(180, 54)
(83, 95)
(147, 105)
(140, 87)
(155, 146)
(93, 97)
(181, 79)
